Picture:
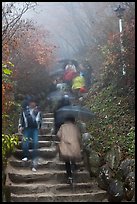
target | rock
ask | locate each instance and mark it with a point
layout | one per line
(94, 159)
(113, 157)
(126, 166)
(129, 194)
(130, 179)
(105, 177)
(86, 141)
(82, 126)
(86, 136)
(94, 171)
(129, 186)
(115, 191)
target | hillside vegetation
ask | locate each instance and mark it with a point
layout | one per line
(114, 122)
(112, 97)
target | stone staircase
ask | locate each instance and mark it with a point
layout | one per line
(48, 183)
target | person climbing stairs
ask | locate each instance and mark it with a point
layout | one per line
(48, 183)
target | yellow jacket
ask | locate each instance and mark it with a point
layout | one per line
(78, 82)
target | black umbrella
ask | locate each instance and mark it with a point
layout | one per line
(78, 112)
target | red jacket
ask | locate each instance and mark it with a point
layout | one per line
(69, 75)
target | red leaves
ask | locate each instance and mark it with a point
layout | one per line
(33, 45)
(6, 97)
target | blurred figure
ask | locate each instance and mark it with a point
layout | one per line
(78, 83)
(71, 66)
(85, 71)
(58, 121)
(69, 146)
(25, 102)
(61, 85)
(69, 74)
(53, 86)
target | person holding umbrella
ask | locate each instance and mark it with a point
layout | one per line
(79, 112)
(58, 119)
(53, 86)
(69, 146)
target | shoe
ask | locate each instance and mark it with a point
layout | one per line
(33, 169)
(25, 159)
(70, 180)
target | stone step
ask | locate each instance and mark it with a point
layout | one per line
(53, 188)
(43, 164)
(47, 119)
(47, 129)
(48, 183)
(66, 197)
(47, 115)
(47, 125)
(46, 176)
(41, 144)
(44, 152)
(48, 137)
(48, 122)
(43, 137)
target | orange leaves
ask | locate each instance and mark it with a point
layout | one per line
(5, 52)
(6, 89)
(33, 45)
(119, 52)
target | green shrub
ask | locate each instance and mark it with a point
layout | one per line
(114, 122)
(8, 145)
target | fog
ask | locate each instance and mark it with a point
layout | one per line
(73, 26)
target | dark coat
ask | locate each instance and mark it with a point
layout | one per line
(27, 121)
(58, 120)
(52, 87)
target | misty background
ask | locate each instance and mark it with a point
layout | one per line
(75, 27)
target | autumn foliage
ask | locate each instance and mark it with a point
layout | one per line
(114, 58)
(26, 57)
(33, 58)
(112, 98)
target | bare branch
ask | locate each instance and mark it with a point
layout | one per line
(10, 19)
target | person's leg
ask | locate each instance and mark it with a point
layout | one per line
(55, 123)
(68, 169)
(57, 127)
(73, 166)
(25, 142)
(35, 145)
